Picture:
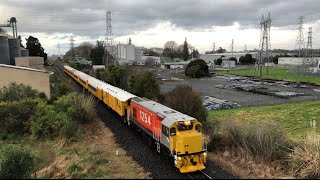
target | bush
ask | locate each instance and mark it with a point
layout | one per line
(15, 92)
(266, 140)
(77, 106)
(16, 162)
(63, 117)
(48, 122)
(197, 68)
(183, 99)
(305, 159)
(144, 85)
(15, 116)
(58, 91)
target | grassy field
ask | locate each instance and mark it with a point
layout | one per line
(294, 117)
(280, 73)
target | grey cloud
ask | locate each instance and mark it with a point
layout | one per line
(87, 18)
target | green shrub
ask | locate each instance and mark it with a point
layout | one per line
(179, 99)
(47, 122)
(197, 68)
(63, 117)
(144, 85)
(15, 116)
(15, 92)
(16, 162)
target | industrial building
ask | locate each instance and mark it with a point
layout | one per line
(37, 79)
(128, 52)
(297, 61)
(213, 57)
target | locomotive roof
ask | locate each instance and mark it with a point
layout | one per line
(170, 116)
(120, 94)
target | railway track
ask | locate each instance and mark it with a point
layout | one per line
(198, 175)
(141, 152)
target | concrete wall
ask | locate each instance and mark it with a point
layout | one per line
(34, 62)
(37, 79)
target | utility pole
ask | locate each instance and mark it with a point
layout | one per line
(214, 48)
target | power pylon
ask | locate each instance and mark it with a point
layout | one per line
(72, 48)
(309, 51)
(109, 37)
(300, 38)
(265, 45)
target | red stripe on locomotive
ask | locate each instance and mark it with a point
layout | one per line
(146, 118)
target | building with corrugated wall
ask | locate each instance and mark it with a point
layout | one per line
(37, 79)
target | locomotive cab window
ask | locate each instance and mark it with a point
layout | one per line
(198, 128)
(173, 131)
(165, 131)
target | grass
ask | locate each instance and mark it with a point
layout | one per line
(295, 118)
(278, 73)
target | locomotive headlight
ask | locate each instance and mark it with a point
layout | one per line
(179, 158)
(204, 154)
(187, 123)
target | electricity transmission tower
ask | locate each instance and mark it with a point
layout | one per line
(110, 48)
(300, 38)
(309, 51)
(265, 45)
(72, 48)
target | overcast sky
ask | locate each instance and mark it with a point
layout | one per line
(151, 23)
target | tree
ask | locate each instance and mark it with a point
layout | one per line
(149, 52)
(97, 53)
(144, 85)
(220, 50)
(184, 100)
(242, 60)
(197, 68)
(83, 50)
(248, 58)
(195, 53)
(185, 51)
(35, 48)
(170, 49)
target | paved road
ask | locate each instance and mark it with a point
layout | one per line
(207, 87)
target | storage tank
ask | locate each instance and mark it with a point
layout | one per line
(14, 51)
(4, 49)
(24, 52)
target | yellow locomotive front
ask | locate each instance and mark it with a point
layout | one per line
(188, 146)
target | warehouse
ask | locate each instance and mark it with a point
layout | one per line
(37, 79)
